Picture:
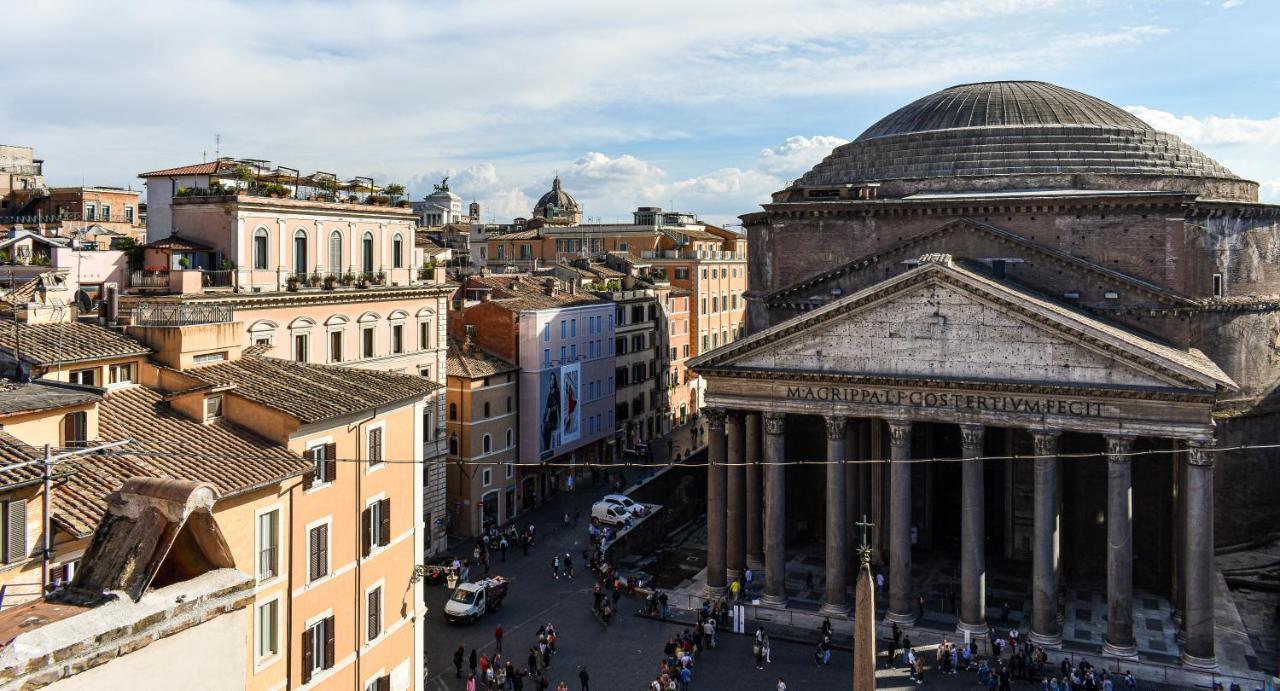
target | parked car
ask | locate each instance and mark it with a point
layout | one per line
(470, 601)
(625, 502)
(437, 570)
(609, 514)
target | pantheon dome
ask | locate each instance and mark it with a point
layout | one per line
(1017, 135)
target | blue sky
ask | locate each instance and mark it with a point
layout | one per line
(708, 105)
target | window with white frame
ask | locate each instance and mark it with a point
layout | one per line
(486, 477)
(90, 212)
(121, 373)
(335, 345)
(486, 444)
(106, 212)
(335, 253)
(84, 377)
(510, 469)
(373, 613)
(268, 629)
(510, 437)
(268, 544)
(317, 648)
(261, 243)
(375, 447)
(376, 526)
(424, 335)
(397, 252)
(318, 552)
(212, 408)
(397, 338)
(366, 342)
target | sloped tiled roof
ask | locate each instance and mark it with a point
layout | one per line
(173, 242)
(67, 342)
(34, 396)
(474, 363)
(166, 444)
(312, 392)
(196, 169)
(13, 454)
(519, 293)
(22, 293)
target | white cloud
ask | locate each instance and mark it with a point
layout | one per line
(1228, 4)
(1214, 129)
(797, 154)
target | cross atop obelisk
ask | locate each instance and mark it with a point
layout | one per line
(864, 550)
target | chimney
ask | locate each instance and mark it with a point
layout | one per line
(573, 287)
(113, 304)
(549, 287)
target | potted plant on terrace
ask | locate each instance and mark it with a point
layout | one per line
(184, 263)
(313, 280)
(292, 282)
(330, 282)
(348, 278)
(380, 278)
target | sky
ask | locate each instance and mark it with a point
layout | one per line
(707, 106)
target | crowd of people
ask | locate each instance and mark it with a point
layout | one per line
(497, 673)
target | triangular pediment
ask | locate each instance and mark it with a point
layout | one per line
(943, 322)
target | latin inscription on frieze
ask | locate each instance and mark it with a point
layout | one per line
(999, 403)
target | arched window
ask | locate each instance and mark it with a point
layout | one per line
(366, 249)
(508, 400)
(335, 253)
(397, 250)
(261, 241)
(509, 437)
(486, 443)
(300, 252)
(453, 411)
(486, 409)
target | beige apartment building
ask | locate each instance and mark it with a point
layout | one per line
(483, 431)
(318, 471)
(638, 407)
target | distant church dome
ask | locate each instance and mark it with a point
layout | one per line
(1020, 134)
(558, 205)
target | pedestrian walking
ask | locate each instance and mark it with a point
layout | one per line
(555, 566)
(568, 564)
(472, 663)
(497, 638)
(782, 685)
(584, 678)
(471, 681)
(459, 656)
(757, 649)
(768, 650)
(503, 545)
(920, 603)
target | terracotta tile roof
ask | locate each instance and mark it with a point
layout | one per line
(22, 293)
(30, 397)
(517, 235)
(13, 453)
(196, 169)
(311, 392)
(173, 242)
(474, 362)
(67, 342)
(519, 293)
(166, 444)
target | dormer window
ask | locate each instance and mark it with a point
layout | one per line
(212, 408)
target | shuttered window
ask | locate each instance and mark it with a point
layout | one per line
(317, 648)
(318, 552)
(376, 524)
(374, 611)
(326, 464)
(15, 531)
(375, 446)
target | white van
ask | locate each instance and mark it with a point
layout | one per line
(609, 514)
(624, 502)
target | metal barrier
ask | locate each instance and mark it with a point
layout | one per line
(180, 314)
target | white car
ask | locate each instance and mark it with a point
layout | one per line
(609, 514)
(624, 502)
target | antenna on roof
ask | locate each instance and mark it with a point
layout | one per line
(217, 145)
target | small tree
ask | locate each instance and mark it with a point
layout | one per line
(394, 190)
(184, 262)
(245, 175)
(132, 251)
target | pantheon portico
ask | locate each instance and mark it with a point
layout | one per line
(944, 345)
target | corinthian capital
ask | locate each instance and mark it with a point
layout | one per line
(899, 432)
(1119, 446)
(1046, 441)
(835, 427)
(971, 436)
(775, 423)
(1200, 453)
(715, 418)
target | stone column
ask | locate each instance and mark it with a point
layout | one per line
(715, 502)
(1119, 641)
(901, 608)
(1197, 559)
(736, 495)
(836, 601)
(973, 569)
(1045, 629)
(775, 507)
(755, 523)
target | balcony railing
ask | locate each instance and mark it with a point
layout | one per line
(216, 279)
(149, 279)
(180, 314)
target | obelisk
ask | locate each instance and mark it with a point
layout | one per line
(864, 620)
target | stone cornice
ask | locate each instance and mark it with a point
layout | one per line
(1040, 389)
(306, 298)
(978, 205)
